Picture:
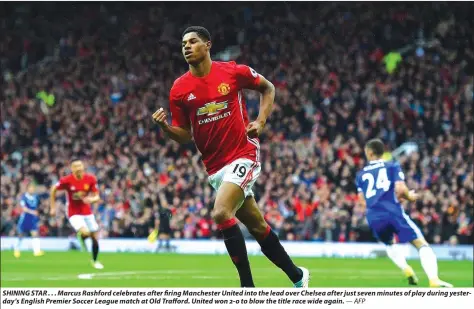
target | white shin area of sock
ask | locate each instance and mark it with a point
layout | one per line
(429, 262)
(18, 243)
(36, 244)
(397, 256)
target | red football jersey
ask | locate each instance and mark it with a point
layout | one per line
(77, 189)
(213, 106)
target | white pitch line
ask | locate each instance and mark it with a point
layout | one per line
(103, 275)
(321, 274)
(157, 276)
(133, 273)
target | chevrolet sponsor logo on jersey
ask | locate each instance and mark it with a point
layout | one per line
(79, 195)
(212, 108)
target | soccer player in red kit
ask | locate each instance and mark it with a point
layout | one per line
(81, 191)
(207, 105)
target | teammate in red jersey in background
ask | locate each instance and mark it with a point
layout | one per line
(207, 104)
(81, 191)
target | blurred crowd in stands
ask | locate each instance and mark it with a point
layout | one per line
(108, 67)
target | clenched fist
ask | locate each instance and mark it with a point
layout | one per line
(254, 129)
(160, 117)
(412, 196)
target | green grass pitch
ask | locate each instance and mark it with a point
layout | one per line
(61, 269)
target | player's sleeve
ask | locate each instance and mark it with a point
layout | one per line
(94, 185)
(22, 202)
(358, 184)
(246, 77)
(397, 172)
(179, 117)
(61, 184)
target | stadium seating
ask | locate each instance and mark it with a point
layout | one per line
(109, 67)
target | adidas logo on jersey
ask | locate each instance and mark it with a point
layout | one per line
(191, 97)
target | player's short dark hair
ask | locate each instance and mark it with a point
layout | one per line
(202, 32)
(74, 159)
(377, 146)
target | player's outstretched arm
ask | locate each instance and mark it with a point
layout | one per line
(403, 192)
(52, 198)
(267, 89)
(26, 209)
(31, 212)
(92, 198)
(178, 134)
(361, 199)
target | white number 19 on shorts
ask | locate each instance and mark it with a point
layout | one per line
(242, 172)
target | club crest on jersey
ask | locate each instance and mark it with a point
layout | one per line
(223, 89)
(212, 108)
(86, 187)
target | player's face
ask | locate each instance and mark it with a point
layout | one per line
(194, 48)
(31, 189)
(77, 168)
